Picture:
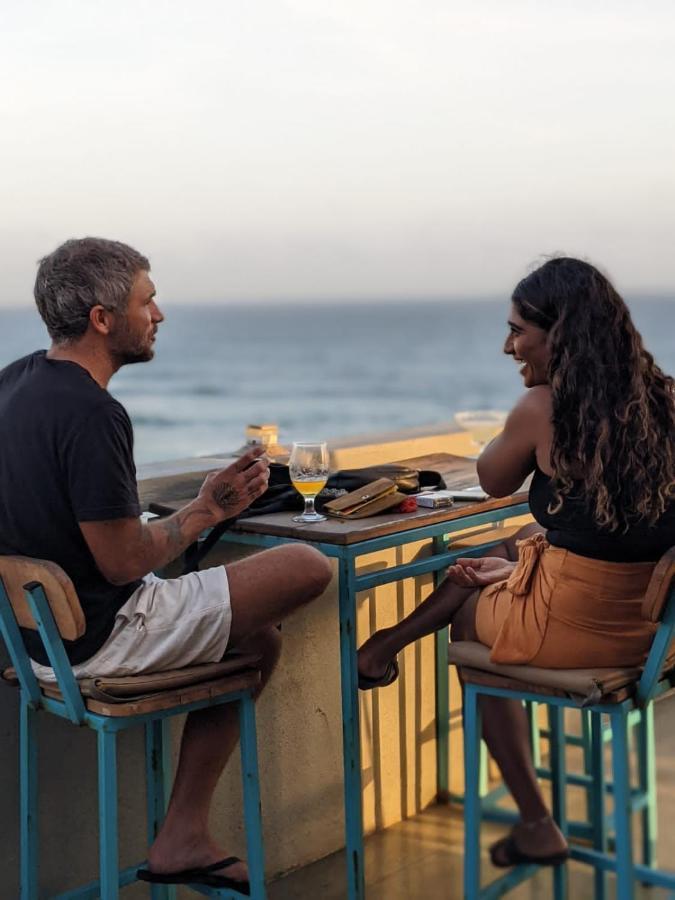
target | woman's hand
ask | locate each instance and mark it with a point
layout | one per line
(479, 572)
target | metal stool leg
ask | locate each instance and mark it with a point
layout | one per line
(158, 787)
(597, 811)
(472, 808)
(587, 751)
(557, 747)
(29, 801)
(622, 807)
(484, 769)
(647, 769)
(107, 815)
(532, 709)
(252, 810)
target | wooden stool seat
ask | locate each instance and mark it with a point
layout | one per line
(134, 695)
(161, 700)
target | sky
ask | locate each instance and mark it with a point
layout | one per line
(303, 149)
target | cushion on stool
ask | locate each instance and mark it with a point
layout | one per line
(174, 684)
(124, 687)
(588, 686)
(241, 680)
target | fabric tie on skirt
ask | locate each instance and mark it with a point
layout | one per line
(529, 553)
(522, 634)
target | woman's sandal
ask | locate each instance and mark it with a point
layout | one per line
(389, 677)
(505, 853)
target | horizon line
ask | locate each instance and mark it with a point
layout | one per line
(374, 300)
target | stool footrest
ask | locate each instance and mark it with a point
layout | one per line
(92, 890)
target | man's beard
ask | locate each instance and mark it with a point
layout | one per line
(129, 355)
(127, 348)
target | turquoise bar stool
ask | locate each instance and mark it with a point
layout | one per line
(36, 594)
(617, 696)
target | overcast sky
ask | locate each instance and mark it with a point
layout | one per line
(352, 148)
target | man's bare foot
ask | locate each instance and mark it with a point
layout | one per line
(535, 840)
(165, 860)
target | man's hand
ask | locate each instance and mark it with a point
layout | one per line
(126, 549)
(230, 491)
(479, 572)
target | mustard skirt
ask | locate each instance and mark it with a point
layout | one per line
(560, 610)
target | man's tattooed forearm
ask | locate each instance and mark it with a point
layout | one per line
(174, 536)
(176, 539)
(226, 496)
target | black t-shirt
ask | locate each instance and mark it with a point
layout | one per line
(573, 528)
(66, 456)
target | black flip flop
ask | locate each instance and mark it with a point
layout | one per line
(512, 856)
(206, 875)
(389, 677)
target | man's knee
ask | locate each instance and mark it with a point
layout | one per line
(265, 643)
(311, 567)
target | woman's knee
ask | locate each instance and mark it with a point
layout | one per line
(464, 620)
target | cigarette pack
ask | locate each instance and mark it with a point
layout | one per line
(435, 499)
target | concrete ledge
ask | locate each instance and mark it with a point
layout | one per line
(183, 477)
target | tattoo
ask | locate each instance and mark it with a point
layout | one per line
(226, 496)
(176, 540)
(174, 536)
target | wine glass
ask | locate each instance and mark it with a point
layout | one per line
(308, 467)
(482, 424)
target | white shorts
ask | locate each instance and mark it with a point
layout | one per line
(165, 624)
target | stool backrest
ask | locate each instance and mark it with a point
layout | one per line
(658, 605)
(38, 595)
(654, 600)
(18, 571)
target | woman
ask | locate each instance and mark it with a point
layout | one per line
(596, 430)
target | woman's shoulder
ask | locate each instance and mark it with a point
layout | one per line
(533, 414)
(537, 400)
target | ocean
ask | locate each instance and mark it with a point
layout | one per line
(319, 371)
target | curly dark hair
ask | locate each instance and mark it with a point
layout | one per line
(613, 407)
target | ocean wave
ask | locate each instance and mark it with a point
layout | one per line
(206, 390)
(144, 421)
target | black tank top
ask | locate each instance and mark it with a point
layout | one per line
(573, 528)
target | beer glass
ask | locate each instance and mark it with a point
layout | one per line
(308, 467)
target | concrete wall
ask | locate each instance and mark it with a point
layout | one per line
(299, 731)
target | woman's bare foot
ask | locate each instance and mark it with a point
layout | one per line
(375, 656)
(540, 839)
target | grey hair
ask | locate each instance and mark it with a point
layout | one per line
(79, 275)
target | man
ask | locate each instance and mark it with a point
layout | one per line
(68, 493)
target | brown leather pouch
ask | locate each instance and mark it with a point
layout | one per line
(368, 500)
